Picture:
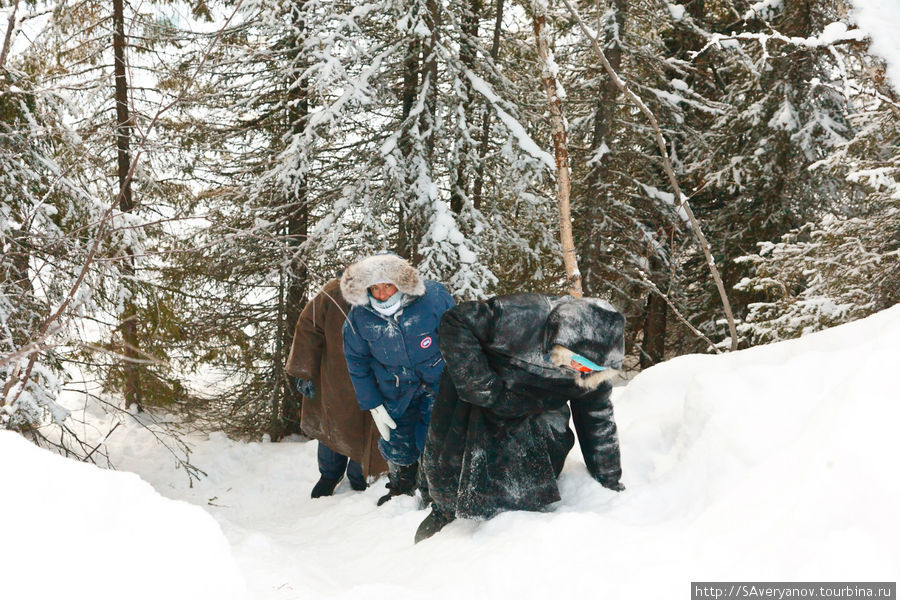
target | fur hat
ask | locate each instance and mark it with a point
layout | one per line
(591, 328)
(380, 268)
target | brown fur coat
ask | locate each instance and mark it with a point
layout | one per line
(333, 416)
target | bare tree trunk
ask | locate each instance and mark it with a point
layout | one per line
(596, 195)
(467, 51)
(295, 300)
(7, 39)
(654, 319)
(654, 331)
(430, 70)
(478, 187)
(276, 422)
(405, 244)
(129, 320)
(563, 182)
(673, 181)
(295, 280)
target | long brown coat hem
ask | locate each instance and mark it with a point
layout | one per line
(332, 416)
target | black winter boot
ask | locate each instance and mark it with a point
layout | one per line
(615, 486)
(324, 487)
(401, 480)
(433, 523)
(358, 486)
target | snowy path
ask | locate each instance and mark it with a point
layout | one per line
(768, 464)
(772, 464)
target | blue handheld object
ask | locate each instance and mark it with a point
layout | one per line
(587, 363)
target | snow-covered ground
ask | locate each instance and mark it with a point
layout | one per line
(776, 463)
(72, 530)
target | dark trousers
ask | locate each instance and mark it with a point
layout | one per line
(408, 439)
(332, 465)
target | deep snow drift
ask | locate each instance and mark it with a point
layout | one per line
(771, 464)
(72, 530)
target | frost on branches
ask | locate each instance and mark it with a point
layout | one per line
(844, 264)
(33, 246)
(821, 276)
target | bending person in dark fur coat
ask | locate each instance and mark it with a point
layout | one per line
(391, 345)
(515, 367)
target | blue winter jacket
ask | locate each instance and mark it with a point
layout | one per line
(395, 359)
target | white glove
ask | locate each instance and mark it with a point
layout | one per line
(383, 421)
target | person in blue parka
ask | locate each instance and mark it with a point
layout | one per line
(391, 346)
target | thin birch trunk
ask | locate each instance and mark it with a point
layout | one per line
(560, 148)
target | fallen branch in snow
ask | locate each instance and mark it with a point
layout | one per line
(100, 443)
(670, 172)
(165, 432)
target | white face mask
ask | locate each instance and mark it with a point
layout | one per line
(389, 306)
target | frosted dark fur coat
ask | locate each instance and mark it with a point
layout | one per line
(499, 432)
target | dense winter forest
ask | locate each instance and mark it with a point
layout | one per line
(177, 178)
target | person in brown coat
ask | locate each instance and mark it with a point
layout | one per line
(330, 412)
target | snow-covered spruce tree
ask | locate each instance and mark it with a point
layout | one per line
(845, 264)
(239, 276)
(119, 236)
(68, 231)
(510, 211)
(750, 177)
(719, 97)
(745, 117)
(47, 225)
(626, 225)
(429, 151)
(279, 120)
(35, 225)
(387, 154)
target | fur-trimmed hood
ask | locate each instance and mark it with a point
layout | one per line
(590, 327)
(587, 326)
(380, 268)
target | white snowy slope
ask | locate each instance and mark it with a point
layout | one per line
(769, 464)
(72, 531)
